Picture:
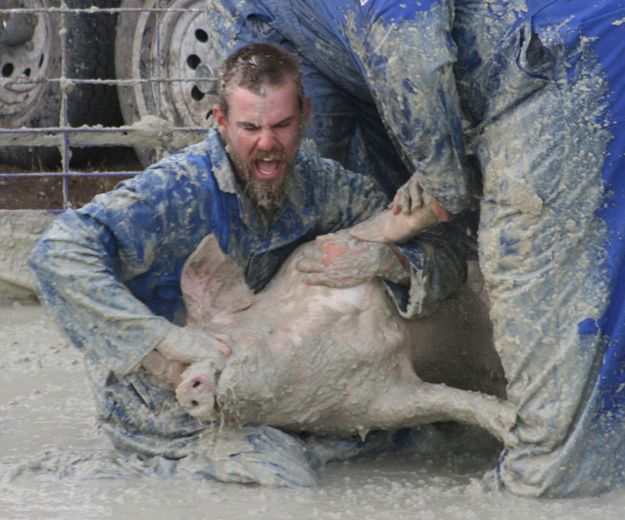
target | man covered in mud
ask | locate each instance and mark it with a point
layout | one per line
(110, 271)
(531, 92)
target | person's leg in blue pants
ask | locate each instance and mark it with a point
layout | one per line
(552, 249)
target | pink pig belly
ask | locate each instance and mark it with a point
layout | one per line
(334, 332)
(453, 345)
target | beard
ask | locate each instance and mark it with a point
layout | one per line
(266, 195)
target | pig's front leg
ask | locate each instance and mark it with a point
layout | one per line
(410, 405)
(390, 227)
(411, 211)
(196, 391)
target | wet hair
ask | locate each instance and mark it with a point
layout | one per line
(255, 65)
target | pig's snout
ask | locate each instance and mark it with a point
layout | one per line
(196, 392)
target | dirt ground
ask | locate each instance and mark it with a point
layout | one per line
(47, 192)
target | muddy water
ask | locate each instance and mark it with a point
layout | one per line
(55, 464)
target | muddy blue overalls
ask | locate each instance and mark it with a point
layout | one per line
(519, 104)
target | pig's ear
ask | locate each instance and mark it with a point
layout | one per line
(212, 284)
(195, 281)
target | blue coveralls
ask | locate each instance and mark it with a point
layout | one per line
(110, 274)
(531, 92)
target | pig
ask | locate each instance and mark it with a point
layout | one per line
(337, 361)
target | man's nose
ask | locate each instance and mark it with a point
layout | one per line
(266, 140)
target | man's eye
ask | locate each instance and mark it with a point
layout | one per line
(248, 127)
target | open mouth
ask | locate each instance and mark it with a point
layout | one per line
(268, 168)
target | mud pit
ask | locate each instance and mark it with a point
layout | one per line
(58, 460)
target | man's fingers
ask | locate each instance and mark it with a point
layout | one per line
(159, 366)
(334, 282)
(439, 211)
(401, 202)
(174, 372)
(306, 265)
(411, 197)
(328, 237)
(408, 198)
(319, 279)
(223, 343)
(312, 255)
(188, 345)
(224, 349)
(416, 195)
(154, 363)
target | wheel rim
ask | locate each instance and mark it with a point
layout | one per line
(183, 56)
(23, 66)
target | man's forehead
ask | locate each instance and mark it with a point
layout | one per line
(283, 98)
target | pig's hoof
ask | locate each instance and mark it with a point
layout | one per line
(196, 392)
(502, 423)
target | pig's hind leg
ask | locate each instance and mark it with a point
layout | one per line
(409, 405)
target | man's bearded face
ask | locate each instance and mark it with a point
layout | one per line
(267, 194)
(262, 131)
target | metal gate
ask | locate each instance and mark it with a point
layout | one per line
(92, 91)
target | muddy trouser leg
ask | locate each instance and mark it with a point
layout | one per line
(551, 248)
(381, 153)
(333, 123)
(232, 24)
(350, 131)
